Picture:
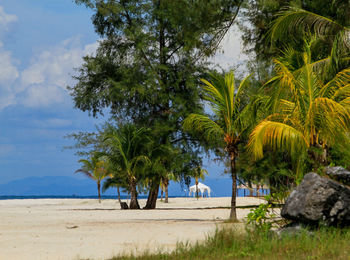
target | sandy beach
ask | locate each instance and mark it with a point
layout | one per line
(83, 228)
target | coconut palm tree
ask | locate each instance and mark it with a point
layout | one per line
(198, 173)
(309, 115)
(164, 185)
(225, 128)
(112, 182)
(96, 168)
(295, 20)
(294, 24)
(126, 148)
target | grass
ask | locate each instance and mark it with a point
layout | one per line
(325, 243)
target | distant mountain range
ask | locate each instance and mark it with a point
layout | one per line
(70, 186)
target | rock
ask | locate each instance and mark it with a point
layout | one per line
(124, 205)
(292, 230)
(318, 200)
(338, 173)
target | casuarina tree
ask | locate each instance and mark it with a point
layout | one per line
(147, 66)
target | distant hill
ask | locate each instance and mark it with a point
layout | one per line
(69, 186)
(49, 185)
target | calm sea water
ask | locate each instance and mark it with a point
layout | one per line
(241, 193)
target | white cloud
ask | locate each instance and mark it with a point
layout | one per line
(46, 78)
(231, 53)
(8, 74)
(43, 83)
(6, 19)
(8, 71)
(42, 95)
(54, 66)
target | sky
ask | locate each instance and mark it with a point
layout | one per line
(41, 42)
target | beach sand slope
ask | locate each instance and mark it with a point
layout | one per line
(83, 228)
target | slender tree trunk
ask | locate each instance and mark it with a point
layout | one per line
(233, 214)
(197, 192)
(318, 155)
(166, 185)
(161, 194)
(99, 191)
(118, 191)
(134, 204)
(152, 196)
(250, 188)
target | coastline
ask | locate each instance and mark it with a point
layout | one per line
(84, 228)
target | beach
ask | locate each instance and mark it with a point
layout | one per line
(83, 228)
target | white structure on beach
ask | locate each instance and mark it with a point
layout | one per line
(201, 188)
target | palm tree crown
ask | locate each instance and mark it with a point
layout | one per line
(95, 168)
(306, 113)
(127, 151)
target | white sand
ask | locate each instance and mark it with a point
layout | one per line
(74, 228)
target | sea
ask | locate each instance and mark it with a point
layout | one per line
(240, 193)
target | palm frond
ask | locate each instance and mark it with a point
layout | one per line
(337, 115)
(341, 80)
(295, 20)
(86, 173)
(203, 126)
(276, 136)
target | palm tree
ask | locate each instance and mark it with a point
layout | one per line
(294, 24)
(199, 173)
(96, 168)
(164, 185)
(112, 182)
(126, 149)
(295, 20)
(225, 130)
(308, 116)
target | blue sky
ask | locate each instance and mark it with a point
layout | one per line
(41, 41)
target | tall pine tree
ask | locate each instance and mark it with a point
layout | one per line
(147, 67)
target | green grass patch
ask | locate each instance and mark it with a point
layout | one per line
(228, 243)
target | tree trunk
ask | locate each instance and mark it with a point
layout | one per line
(318, 155)
(161, 194)
(134, 204)
(166, 192)
(233, 214)
(152, 196)
(197, 193)
(250, 188)
(118, 191)
(99, 191)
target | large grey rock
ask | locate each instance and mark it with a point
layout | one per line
(338, 173)
(318, 199)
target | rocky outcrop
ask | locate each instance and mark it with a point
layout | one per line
(318, 200)
(338, 173)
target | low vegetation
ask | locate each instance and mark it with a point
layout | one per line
(228, 243)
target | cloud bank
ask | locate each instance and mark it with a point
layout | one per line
(43, 83)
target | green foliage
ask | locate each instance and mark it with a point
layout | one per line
(147, 67)
(232, 243)
(306, 114)
(223, 130)
(260, 219)
(291, 21)
(275, 169)
(258, 16)
(96, 167)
